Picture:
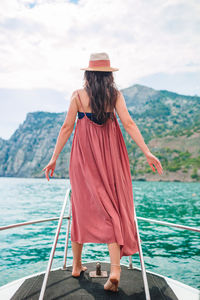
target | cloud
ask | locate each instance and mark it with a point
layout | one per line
(45, 43)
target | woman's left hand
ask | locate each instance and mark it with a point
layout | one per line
(153, 160)
(50, 167)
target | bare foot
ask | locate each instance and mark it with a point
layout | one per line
(113, 280)
(109, 286)
(76, 271)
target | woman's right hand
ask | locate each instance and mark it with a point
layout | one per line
(153, 160)
(49, 167)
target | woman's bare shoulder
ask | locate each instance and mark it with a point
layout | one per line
(80, 91)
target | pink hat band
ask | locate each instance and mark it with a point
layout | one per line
(99, 63)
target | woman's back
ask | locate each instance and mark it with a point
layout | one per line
(86, 109)
(120, 107)
(85, 101)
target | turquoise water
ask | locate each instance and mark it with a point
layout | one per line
(168, 251)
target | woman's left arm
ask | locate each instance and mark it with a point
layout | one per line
(64, 134)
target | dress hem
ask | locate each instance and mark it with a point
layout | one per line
(94, 242)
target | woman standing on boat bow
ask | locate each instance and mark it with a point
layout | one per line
(99, 169)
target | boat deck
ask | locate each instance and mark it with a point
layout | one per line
(62, 285)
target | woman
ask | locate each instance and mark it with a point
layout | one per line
(99, 170)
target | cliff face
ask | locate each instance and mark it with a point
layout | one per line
(169, 123)
(31, 146)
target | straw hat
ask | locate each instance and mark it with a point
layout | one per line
(99, 62)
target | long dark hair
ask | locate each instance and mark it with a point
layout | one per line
(102, 92)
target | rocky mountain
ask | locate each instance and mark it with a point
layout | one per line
(31, 146)
(169, 123)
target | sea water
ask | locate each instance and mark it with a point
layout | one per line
(168, 251)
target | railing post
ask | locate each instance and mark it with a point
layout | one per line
(67, 236)
(53, 247)
(144, 275)
(130, 262)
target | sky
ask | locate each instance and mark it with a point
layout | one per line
(44, 43)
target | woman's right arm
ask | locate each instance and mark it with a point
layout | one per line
(134, 132)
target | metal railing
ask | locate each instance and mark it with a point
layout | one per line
(53, 247)
(169, 224)
(42, 292)
(30, 223)
(144, 274)
(66, 217)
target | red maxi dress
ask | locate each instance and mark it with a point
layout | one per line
(101, 186)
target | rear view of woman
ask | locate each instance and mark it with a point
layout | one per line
(99, 170)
